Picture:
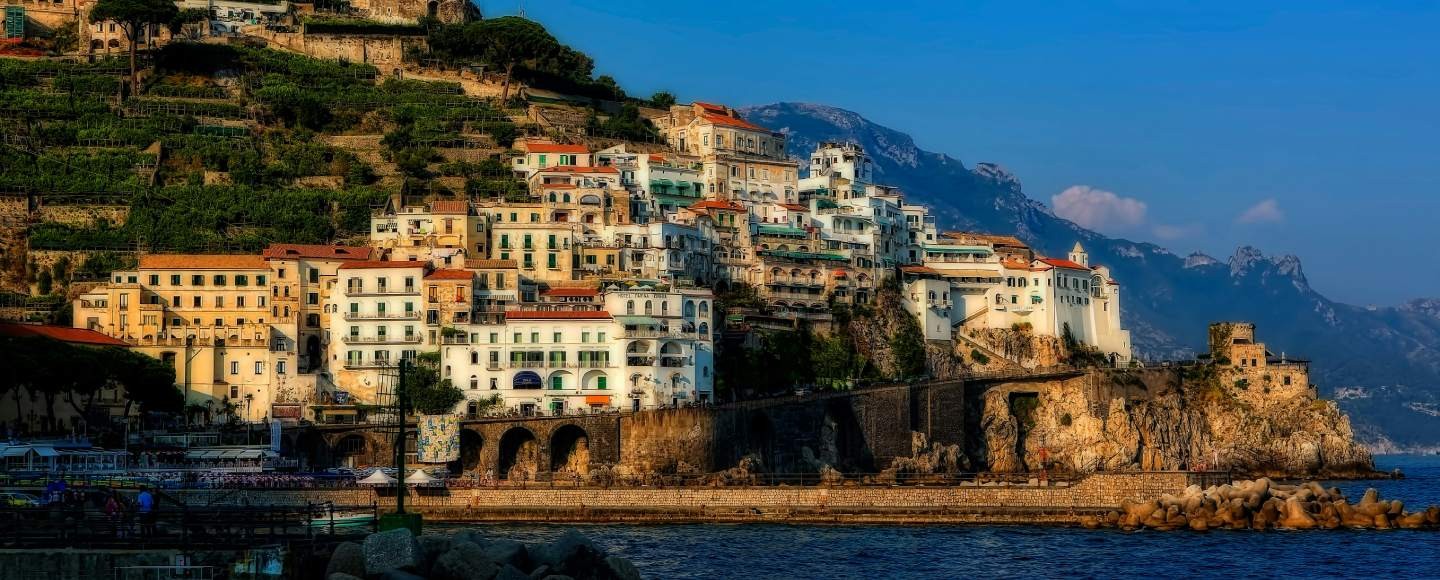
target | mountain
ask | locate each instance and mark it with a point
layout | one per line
(1382, 364)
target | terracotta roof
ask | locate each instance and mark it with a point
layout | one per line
(555, 148)
(460, 207)
(579, 169)
(1015, 264)
(732, 122)
(203, 262)
(482, 263)
(657, 158)
(450, 274)
(710, 106)
(377, 264)
(922, 270)
(1058, 263)
(563, 292)
(992, 238)
(314, 251)
(558, 186)
(60, 333)
(794, 207)
(557, 315)
(718, 204)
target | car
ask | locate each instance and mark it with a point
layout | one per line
(17, 499)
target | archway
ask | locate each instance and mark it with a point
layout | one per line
(570, 451)
(313, 451)
(842, 440)
(519, 454)
(350, 449)
(471, 444)
(312, 354)
(761, 440)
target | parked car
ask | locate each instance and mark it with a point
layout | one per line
(17, 499)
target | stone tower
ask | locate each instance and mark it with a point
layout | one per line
(1079, 256)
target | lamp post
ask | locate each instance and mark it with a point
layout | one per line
(401, 519)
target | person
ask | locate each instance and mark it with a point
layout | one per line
(112, 513)
(145, 506)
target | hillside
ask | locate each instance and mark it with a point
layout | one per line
(1382, 364)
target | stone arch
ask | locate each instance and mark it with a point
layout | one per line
(760, 439)
(519, 454)
(570, 450)
(671, 348)
(638, 347)
(593, 380)
(842, 439)
(350, 449)
(312, 450)
(472, 444)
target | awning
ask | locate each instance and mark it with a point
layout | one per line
(527, 380)
(662, 182)
(252, 454)
(377, 478)
(14, 452)
(45, 451)
(637, 321)
(970, 273)
(597, 399)
(339, 411)
(839, 274)
(781, 231)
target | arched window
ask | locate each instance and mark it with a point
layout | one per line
(932, 295)
(474, 382)
(704, 308)
(689, 308)
(649, 307)
(664, 307)
(630, 307)
(552, 197)
(567, 198)
(704, 329)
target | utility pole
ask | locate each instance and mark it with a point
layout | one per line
(401, 519)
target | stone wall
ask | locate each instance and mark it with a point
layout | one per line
(83, 216)
(385, 52)
(1097, 492)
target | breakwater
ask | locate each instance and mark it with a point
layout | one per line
(1061, 503)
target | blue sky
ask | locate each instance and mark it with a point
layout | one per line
(1298, 127)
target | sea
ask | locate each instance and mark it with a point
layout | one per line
(873, 552)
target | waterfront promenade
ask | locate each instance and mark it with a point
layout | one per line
(970, 502)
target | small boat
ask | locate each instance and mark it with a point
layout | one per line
(343, 520)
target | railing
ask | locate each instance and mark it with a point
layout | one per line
(171, 524)
(413, 315)
(408, 339)
(368, 363)
(658, 334)
(361, 291)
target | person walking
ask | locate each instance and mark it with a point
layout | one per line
(145, 507)
(113, 513)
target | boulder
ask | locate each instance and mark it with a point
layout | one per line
(348, 558)
(1411, 521)
(620, 569)
(464, 561)
(1432, 515)
(572, 553)
(511, 573)
(505, 551)
(342, 576)
(398, 574)
(1295, 516)
(391, 550)
(432, 546)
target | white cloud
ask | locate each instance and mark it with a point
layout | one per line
(1267, 211)
(1098, 209)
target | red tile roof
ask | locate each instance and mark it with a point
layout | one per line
(460, 207)
(557, 315)
(555, 148)
(732, 122)
(60, 333)
(558, 186)
(578, 169)
(569, 292)
(449, 274)
(314, 251)
(718, 204)
(657, 158)
(1058, 263)
(377, 264)
(203, 262)
(794, 207)
(710, 106)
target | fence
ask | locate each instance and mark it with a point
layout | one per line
(171, 524)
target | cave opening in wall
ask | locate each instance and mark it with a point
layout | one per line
(570, 451)
(471, 443)
(1024, 406)
(519, 454)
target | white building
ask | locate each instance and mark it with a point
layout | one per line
(379, 322)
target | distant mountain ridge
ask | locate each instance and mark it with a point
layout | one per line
(1383, 364)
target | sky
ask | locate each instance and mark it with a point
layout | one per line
(1297, 127)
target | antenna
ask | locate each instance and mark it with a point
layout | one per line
(522, 8)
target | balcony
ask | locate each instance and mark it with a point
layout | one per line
(412, 315)
(358, 364)
(674, 361)
(648, 333)
(407, 339)
(362, 291)
(639, 361)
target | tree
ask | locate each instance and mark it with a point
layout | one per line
(662, 99)
(133, 17)
(510, 40)
(188, 22)
(429, 394)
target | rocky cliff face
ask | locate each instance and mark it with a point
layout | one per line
(1162, 419)
(1392, 355)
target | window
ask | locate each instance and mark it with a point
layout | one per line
(239, 301)
(535, 338)
(174, 279)
(600, 337)
(259, 367)
(585, 336)
(312, 298)
(600, 382)
(474, 382)
(557, 382)
(494, 338)
(518, 338)
(234, 367)
(197, 280)
(242, 280)
(218, 279)
(154, 279)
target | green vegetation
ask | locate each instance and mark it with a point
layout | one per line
(522, 49)
(56, 373)
(133, 16)
(332, 25)
(428, 393)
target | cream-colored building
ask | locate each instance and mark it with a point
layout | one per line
(210, 316)
(380, 322)
(444, 233)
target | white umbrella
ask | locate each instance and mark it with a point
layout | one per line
(377, 478)
(419, 478)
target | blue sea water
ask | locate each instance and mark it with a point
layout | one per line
(872, 552)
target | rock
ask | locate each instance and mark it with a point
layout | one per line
(1090, 522)
(1295, 517)
(342, 576)
(398, 574)
(511, 573)
(570, 553)
(505, 551)
(1432, 515)
(432, 546)
(348, 558)
(464, 561)
(621, 569)
(1411, 521)
(391, 550)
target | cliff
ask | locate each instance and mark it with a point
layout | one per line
(1190, 418)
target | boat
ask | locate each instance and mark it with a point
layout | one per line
(343, 520)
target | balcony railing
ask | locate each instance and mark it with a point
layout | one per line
(640, 361)
(362, 291)
(647, 333)
(368, 363)
(412, 315)
(405, 339)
